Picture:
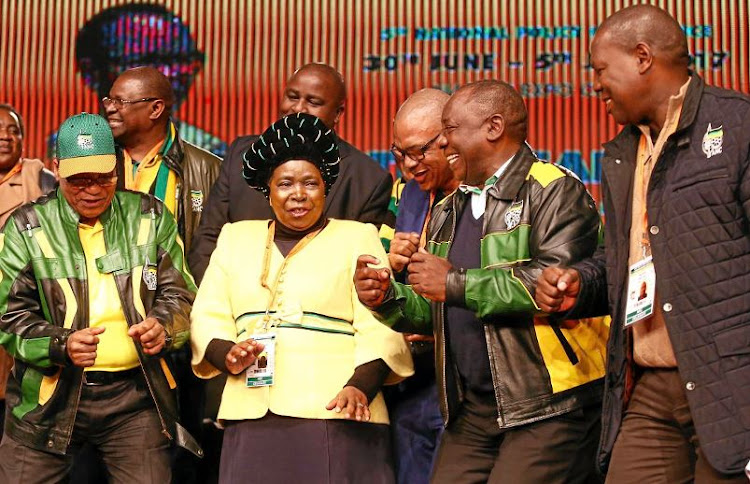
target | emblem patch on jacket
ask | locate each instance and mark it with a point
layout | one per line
(513, 215)
(149, 275)
(713, 140)
(196, 200)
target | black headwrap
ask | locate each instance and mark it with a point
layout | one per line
(298, 136)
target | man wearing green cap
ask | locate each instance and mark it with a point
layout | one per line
(93, 293)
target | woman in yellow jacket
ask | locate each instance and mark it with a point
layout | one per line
(277, 311)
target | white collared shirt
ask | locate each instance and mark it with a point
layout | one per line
(479, 196)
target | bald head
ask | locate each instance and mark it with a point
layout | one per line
(490, 97)
(152, 84)
(328, 75)
(649, 25)
(316, 89)
(423, 107)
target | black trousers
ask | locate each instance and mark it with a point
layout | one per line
(119, 420)
(556, 450)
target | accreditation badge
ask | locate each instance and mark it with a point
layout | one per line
(641, 291)
(260, 373)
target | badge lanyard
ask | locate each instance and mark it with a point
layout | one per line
(267, 266)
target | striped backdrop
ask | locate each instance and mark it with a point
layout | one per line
(385, 49)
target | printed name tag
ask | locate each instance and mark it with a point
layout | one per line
(260, 373)
(641, 290)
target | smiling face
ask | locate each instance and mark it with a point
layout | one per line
(313, 91)
(10, 140)
(463, 139)
(617, 80)
(297, 194)
(90, 194)
(129, 120)
(431, 172)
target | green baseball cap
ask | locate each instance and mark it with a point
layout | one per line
(85, 145)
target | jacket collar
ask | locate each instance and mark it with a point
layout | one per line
(623, 142)
(508, 185)
(70, 216)
(173, 157)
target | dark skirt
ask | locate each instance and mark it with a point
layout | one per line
(276, 449)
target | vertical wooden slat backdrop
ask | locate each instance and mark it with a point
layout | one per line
(252, 46)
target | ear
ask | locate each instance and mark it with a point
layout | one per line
(157, 109)
(339, 112)
(495, 127)
(644, 57)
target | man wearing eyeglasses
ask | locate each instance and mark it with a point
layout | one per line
(154, 158)
(519, 393)
(416, 424)
(94, 292)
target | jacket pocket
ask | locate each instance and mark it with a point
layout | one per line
(733, 347)
(697, 179)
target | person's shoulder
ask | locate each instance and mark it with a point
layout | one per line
(358, 160)
(32, 164)
(352, 228)
(197, 152)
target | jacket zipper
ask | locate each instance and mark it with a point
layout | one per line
(446, 418)
(85, 296)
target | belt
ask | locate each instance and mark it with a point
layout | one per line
(95, 378)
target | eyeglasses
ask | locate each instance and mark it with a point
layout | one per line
(119, 103)
(415, 154)
(81, 183)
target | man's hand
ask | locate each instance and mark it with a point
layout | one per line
(81, 346)
(371, 284)
(242, 355)
(150, 334)
(557, 289)
(403, 246)
(428, 274)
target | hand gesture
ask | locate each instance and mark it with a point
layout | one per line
(352, 402)
(403, 246)
(81, 346)
(150, 334)
(557, 289)
(428, 274)
(371, 284)
(242, 355)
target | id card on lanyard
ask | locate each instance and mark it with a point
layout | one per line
(641, 291)
(260, 373)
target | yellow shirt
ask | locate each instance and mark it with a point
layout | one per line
(116, 350)
(651, 345)
(142, 178)
(322, 330)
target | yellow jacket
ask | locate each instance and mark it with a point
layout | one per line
(322, 330)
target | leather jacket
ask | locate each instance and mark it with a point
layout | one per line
(196, 170)
(537, 215)
(43, 299)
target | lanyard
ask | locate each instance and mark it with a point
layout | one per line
(267, 266)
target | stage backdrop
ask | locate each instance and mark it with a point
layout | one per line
(228, 60)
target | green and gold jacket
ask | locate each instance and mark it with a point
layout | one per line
(44, 298)
(537, 215)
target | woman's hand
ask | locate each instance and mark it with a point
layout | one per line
(242, 355)
(352, 403)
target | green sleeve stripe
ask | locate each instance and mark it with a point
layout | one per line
(34, 351)
(496, 291)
